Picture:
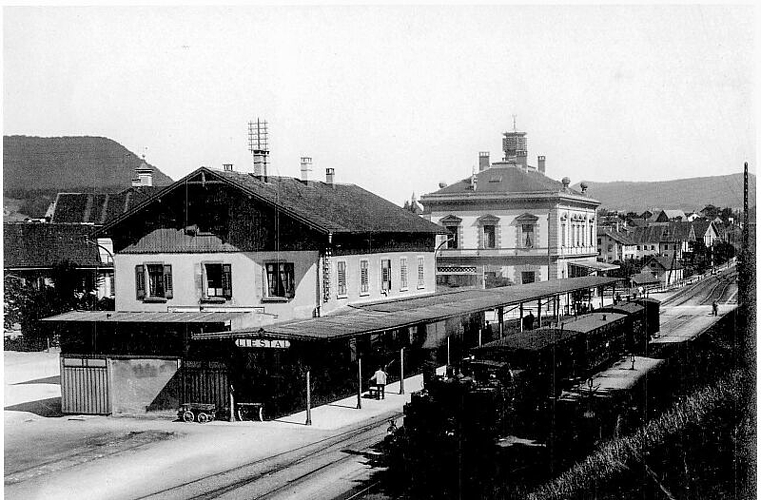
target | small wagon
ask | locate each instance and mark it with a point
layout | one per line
(198, 412)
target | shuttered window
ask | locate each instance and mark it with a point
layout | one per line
(341, 271)
(364, 277)
(153, 281)
(140, 282)
(385, 274)
(403, 273)
(421, 272)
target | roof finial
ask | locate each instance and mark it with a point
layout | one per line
(514, 127)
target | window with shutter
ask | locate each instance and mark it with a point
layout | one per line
(421, 272)
(385, 274)
(168, 288)
(403, 273)
(341, 271)
(364, 277)
(140, 282)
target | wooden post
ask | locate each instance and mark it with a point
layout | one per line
(359, 379)
(521, 316)
(401, 371)
(232, 404)
(501, 312)
(479, 336)
(539, 313)
(309, 400)
(448, 351)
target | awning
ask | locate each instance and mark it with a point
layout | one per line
(597, 266)
(232, 319)
(393, 314)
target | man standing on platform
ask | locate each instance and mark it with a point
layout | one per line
(380, 382)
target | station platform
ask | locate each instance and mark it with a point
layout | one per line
(344, 412)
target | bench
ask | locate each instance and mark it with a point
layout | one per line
(375, 391)
(250, 410)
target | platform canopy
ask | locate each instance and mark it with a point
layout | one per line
(393, 314)
(147, 317)
(595, 266)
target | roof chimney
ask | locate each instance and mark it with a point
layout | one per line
(483, 161)
(540, 163)
(227, 167)
(522, 159)
(330, 174)
(306, 167)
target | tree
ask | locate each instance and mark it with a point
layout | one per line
(25, 306)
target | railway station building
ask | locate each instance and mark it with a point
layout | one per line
(509, 223)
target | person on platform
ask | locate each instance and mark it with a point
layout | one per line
(715, 308)
(528, 321)
(379, 379)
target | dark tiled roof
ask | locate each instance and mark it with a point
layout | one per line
(336, 208)
(619, 236)
(93, 208)
(506, 179)
(666, 232)
(700, 227)
(29, 245)
(644, 278)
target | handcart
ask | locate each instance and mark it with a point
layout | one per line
(197, 412)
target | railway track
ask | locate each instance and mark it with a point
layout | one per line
(265, 478)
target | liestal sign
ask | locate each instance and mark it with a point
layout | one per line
(263, 343)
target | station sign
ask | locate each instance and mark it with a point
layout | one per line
(263, 343)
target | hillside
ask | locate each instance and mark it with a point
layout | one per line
(686, 194)
(65, 163)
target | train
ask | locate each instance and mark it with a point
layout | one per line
(507, 387)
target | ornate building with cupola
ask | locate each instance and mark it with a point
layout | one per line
(509, 223)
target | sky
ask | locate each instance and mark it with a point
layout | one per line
(395, 98)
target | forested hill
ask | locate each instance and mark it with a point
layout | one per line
(61, 163)
(685, 194)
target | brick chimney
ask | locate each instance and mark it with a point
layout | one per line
(483, 161)
(540, 163)
(330, 174)
(306, 167)
(227, 167)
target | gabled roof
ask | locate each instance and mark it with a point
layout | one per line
(644, 278)
(664, 263)
(38, 245)
(701, 227)
(622, 237)
(330, 208)
(96, 208)
(664, 232)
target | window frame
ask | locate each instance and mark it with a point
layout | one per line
(364, 277)
(143, 282)
(404, 284)
(225, 277)
(386, 284)
(342, 283)
(286, 296)
(489, 239)
(533, 277)
(420, 272)
(525, 233)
